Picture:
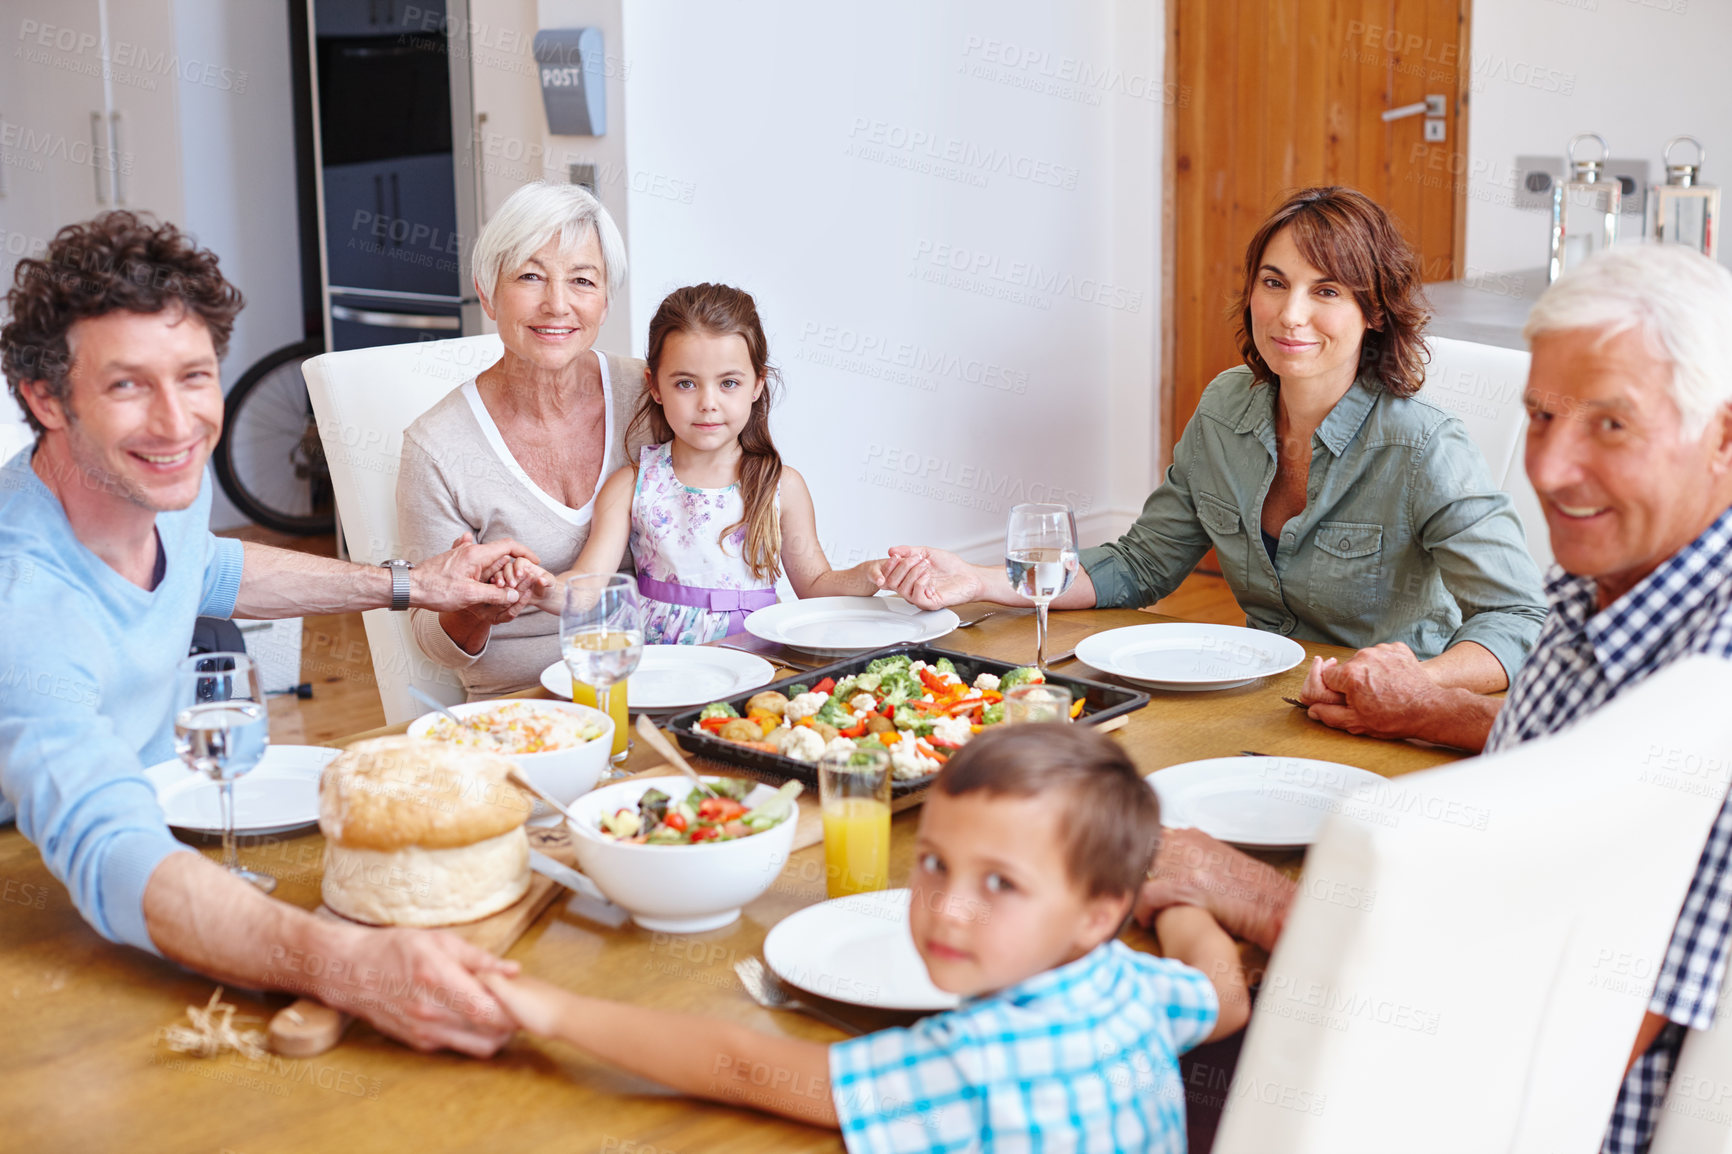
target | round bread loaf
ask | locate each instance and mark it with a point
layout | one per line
(421, 833)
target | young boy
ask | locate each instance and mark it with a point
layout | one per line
(1032, 845)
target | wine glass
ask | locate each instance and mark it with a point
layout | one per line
(1040, 559)
(601, 633)
(221, 731)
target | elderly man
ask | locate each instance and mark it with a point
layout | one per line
(112, 349)
(1629, 447)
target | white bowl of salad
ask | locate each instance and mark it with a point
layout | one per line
(680, 861)
(560, 746)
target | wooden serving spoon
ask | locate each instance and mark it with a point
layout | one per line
(659, 742)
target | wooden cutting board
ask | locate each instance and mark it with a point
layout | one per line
(307, 1027)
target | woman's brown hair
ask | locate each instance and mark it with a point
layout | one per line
(722, 310)
(1353, 241)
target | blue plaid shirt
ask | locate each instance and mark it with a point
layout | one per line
(1585, 658)
(1084, 1057)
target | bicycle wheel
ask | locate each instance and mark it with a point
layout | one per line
(270, 461)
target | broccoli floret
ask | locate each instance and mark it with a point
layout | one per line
(944, 665)
(910, 719)
(717, 709)
(889, 664)
(834, 712)
(796, 689)
(845, 688)
(900, 687)
(1022, 675)
(867, 681)
(992, 714)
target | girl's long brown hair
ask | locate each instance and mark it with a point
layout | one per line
(1351, 238)
(722, 310)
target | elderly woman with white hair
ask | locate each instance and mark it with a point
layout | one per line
(520, 450)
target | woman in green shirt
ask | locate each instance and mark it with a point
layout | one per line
(1343, 508)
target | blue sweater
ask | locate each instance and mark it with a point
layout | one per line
(86, 688)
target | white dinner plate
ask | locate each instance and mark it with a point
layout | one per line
(675, 676)
(1262, 802)
(1185, 656)
(280, 794)
(838, 626)
(855, 949)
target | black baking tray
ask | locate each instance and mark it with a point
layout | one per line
(1101, 701)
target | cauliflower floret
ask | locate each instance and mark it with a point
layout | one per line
(907, 762)
(986, 681)
(802, 743)
(841, 745)
(952, 730)
(862, 703)
(804, 705)
(927, 697)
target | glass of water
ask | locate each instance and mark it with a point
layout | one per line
(221, 731)
(601, 634)
(1040, 558)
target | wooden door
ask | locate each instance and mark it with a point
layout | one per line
(1279, 95)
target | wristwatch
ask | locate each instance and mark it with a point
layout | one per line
(399, 583)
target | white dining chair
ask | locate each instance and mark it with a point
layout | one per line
(1483, 384)
(363, 399)
(1472, 947)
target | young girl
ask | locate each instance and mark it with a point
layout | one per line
(712, 515)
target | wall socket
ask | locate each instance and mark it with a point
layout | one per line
(1536, 176)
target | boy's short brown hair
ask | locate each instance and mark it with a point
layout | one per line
(1112, 820)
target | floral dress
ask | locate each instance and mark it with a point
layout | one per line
(695, 587)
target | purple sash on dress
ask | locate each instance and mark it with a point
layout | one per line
(736, 603)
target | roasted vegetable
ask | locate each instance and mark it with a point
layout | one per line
(717, 709)
(834, 712)
(768, 701)
(739, 729)
(901, 661)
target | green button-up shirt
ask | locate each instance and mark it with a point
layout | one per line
(1404, 535)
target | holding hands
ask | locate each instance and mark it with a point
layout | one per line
(927, 578)
(1382, 691)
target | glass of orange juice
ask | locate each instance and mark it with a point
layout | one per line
(583, 693)
(854, 800)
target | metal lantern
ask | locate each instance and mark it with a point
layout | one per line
(1684, 210)
(1584, 209)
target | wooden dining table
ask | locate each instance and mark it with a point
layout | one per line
(83, 1067)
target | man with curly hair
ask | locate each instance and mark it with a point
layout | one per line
(112, 349)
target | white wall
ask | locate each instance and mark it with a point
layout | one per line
(1638, 72)
(949, 216)
(512, 138)
(237, 160)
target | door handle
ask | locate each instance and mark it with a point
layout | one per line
(96, 152)
(1433, 105)
(115, 121)
(396, 320)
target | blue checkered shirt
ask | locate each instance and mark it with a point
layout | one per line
(1084, 1057)
(1586, 658)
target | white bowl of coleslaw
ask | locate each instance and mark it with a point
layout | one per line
(560, 746)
